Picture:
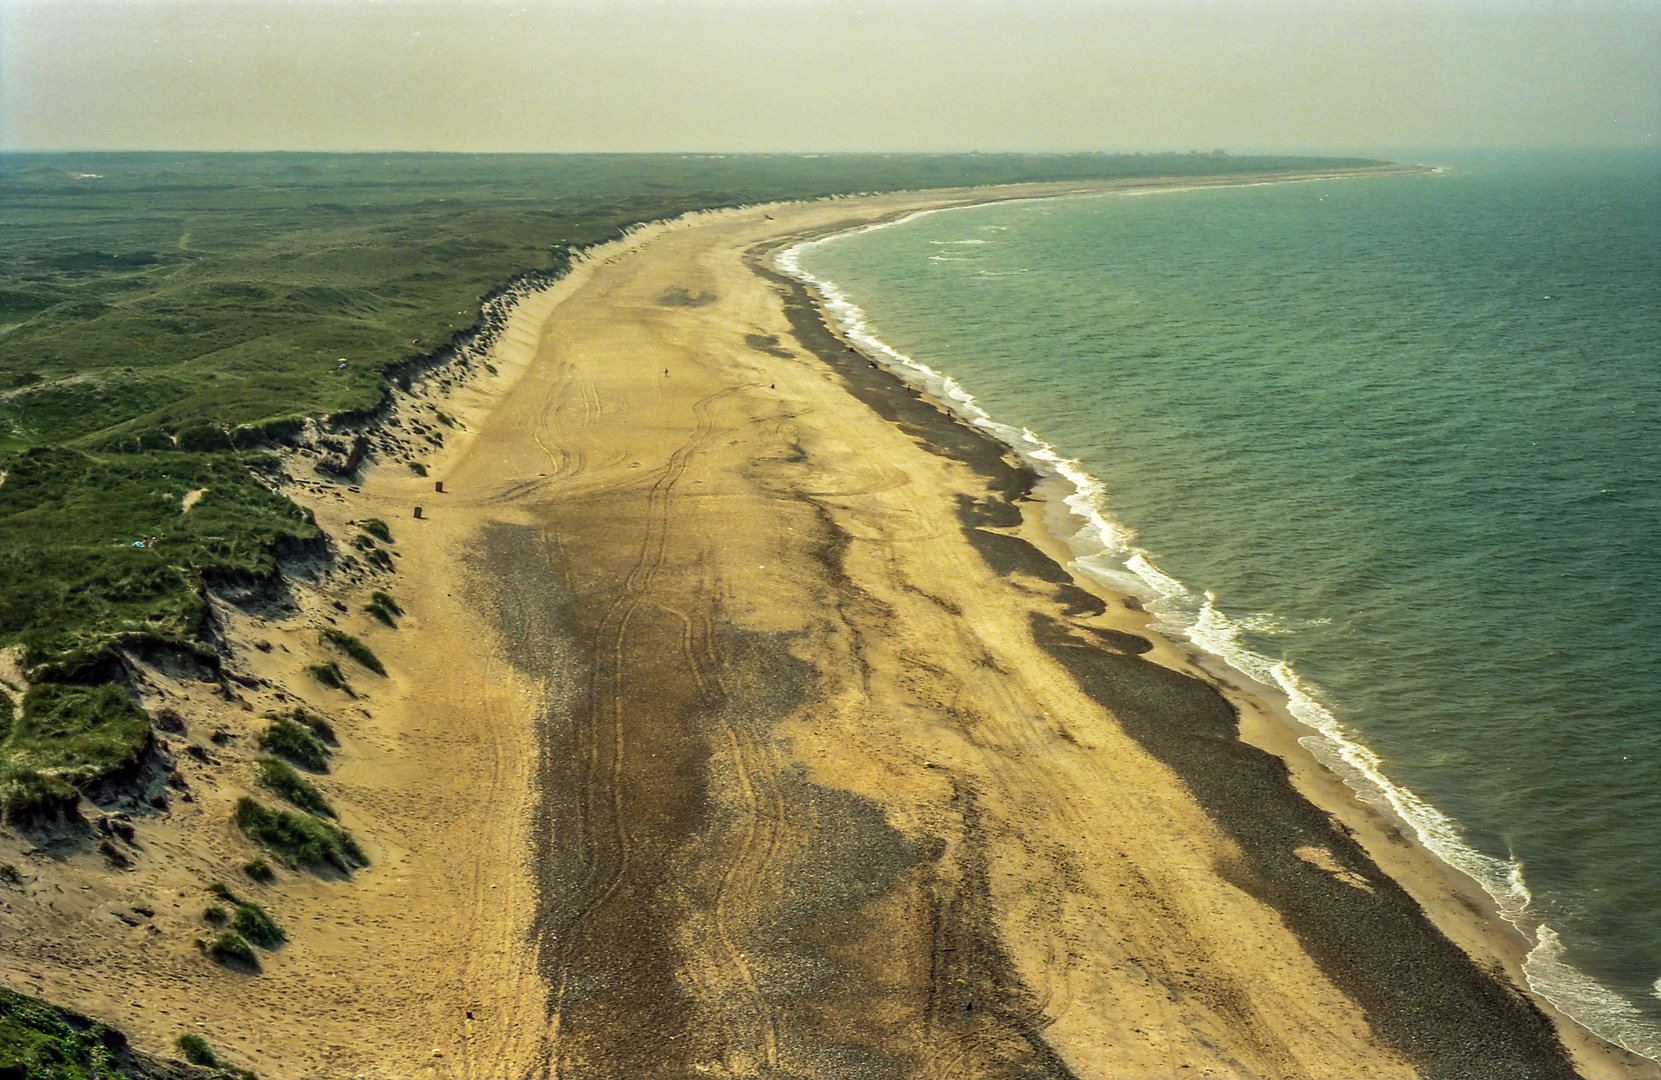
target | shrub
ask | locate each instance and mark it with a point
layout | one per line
(384, 608)
(279, 430)
(216, 915)
(292, 787)
(354, 648)
(256, 924)
(259, 870)
(251, 921)
(331, 676)
(296, 742)
(194, 1049)
(377, 528)
(232, 950)
(202, 438)
(299, 838)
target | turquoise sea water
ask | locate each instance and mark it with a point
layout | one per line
(1392, 444)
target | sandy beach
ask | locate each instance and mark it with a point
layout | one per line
(745, 721)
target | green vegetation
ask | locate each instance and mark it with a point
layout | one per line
(330, 675)
(354, 648)
(320, 728)
(232, 950)
(65, 735)
(43, 1042)
(27, 796)
(293, 788)
(194, 1049)
(299, 839)
(76, 732)
(250, 920)
(377, 528)
(259, 870)
(375, 556)
(253, 923)
(290, 737)
(74, 581)
(384, 608)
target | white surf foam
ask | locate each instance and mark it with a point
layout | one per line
(1554, 978)
(1105, 551)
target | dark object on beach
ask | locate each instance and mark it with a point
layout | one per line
(417, 511)
(438, 486)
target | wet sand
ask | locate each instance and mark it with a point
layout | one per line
(832, 769)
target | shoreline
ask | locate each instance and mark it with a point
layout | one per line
(1447, 894)
(1020, 550)
(1261, 718)
(1319, 758)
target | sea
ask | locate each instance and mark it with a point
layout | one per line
(1391, 444)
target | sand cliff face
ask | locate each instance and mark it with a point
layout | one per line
(741, 723)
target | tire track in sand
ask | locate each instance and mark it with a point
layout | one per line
(762, 815)
(622, 638)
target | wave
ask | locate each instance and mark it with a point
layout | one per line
(1106, 552)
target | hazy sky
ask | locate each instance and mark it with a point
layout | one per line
(808, 75)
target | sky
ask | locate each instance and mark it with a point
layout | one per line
(827, 75)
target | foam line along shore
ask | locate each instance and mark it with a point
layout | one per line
(1106, 552)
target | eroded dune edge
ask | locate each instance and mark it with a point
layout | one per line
(743, 721)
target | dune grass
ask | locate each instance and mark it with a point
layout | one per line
(195, 1049)
(64, 736)
(233, 951)
(249, 919)
(330, 675)
(296, 742)
(41, 1040)
(299, 839)
(354, 648)
(291, 787)
(72, 580)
